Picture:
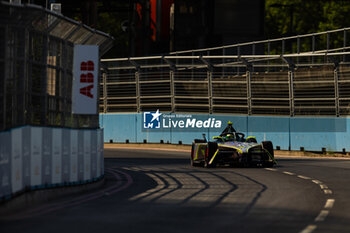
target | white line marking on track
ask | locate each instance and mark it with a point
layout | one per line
(304, 177)
(327, 191)
(329, 203)
(271, 169)
(289, 173)
(309, 229)
(317, 181)
(327, 206)
(322, 216)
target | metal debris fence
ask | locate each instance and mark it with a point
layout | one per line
(281, 77)
(36, 60)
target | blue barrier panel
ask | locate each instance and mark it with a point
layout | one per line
(316, 133)
(73, 173)
(26, 152)
(87, 154)
(80, 155)
(292, 133)
(100, 162)
(16, 160)
(56, 156)
(5, 164)
(275, 129)
(36, 156)
(46, 155)
(343, 137)
(119, 127)
(65, 155)
(93, 144)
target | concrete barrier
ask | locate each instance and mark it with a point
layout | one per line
(34, 158)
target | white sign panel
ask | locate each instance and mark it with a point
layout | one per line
(85, 79)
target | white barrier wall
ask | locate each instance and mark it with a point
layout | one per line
(40, 157)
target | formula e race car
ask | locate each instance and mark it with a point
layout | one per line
(232, 148)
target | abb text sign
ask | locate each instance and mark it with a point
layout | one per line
(85, 79)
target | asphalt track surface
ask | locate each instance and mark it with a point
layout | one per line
(158, 191)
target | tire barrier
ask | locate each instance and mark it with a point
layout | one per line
(42, 157)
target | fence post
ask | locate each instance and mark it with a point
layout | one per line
(5, 77)
(336, 89)
(291, 67)
(172, 91)
(210, 86)
(291, 89)
(137, 83)
(248, 73)
(137, 80)
(249, 90)
(344, 44)
(210, 90)
(44, 107)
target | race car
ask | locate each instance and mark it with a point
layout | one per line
(233, 149)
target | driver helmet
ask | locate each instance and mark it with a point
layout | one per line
(229, 136)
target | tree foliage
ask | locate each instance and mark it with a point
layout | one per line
(296, 17)
(307, 16)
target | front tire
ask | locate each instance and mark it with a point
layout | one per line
(268, 146)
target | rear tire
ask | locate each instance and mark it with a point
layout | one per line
(267, 145)
(268, 164)
(251, 140)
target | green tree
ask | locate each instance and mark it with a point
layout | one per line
(296, 17)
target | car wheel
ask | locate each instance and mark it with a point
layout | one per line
(206, 164)
(268, 164)
(267, 145)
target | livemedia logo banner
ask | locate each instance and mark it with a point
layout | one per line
(178, 122)
(152, 120)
